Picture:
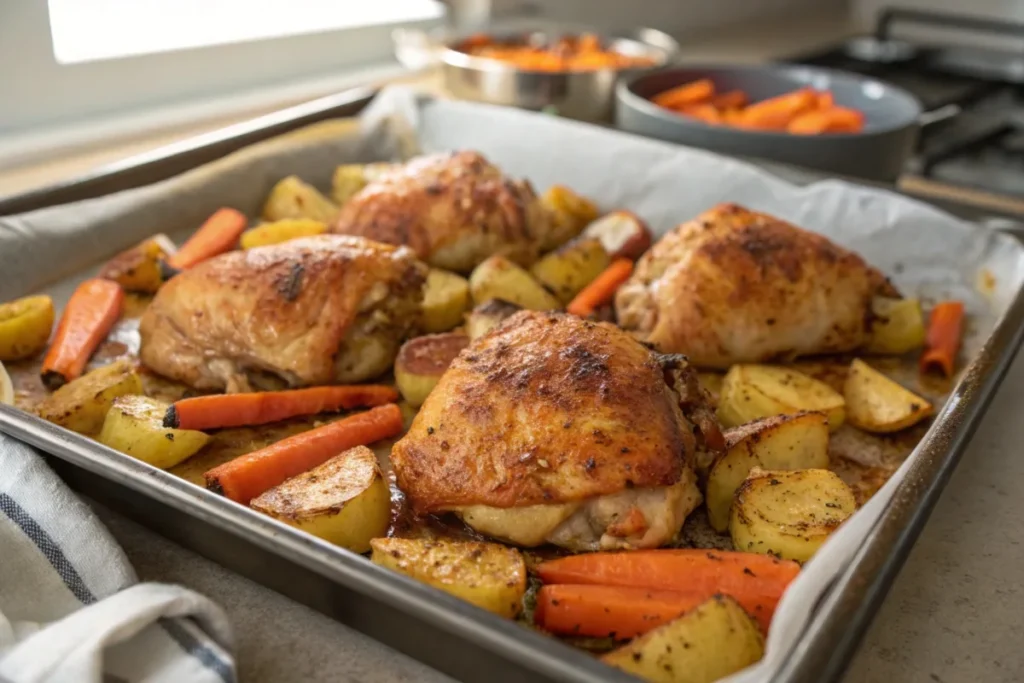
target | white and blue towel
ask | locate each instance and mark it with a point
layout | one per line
(71, 607)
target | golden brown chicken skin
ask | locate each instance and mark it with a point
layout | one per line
(736, 286)
(318, 310)
(452, 209)
(554, 429)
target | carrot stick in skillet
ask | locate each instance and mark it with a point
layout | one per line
(247, 476)
(237, 410)
(91, 312)
(602, 289)
(945, 332)
(688, 93)
(217, 235)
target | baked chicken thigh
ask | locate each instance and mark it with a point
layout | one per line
(735, 286)
(453, 209)
(317, 310)
(554, 429)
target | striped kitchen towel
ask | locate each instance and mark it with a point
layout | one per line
(71, 607)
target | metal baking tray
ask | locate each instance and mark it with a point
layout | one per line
(433, 627)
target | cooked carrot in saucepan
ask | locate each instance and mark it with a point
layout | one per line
(237, 410)
(683, 95)
(775, 113)
(832, 120)
(217, 235)
(602, 289)
(91, 312)
(247, 476)
(945, 330)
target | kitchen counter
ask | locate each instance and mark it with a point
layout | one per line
(951, 616)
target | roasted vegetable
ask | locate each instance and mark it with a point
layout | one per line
(445, 300)
(875, 403)
(487, 316)
(135, 425)
(750, 392)
(711, 382)
(568, 214)
(944, 337)
(602, 290)
(82, 404)
(138, 269)
(351, 178)
(572, 267)
(292, 198)
(88, 317)
(780, 442)
(25, 325)
(344, 501)
(499, 278)
(281, 231)
(217, 235)
(422, 361)
(622, 234)
(487, 575)
(897, 326)
(704, 645)
(789, 514)
(6, 387)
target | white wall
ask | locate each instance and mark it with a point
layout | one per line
(866, 10)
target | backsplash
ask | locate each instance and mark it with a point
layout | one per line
(1010, 10)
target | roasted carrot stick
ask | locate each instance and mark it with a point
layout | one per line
(826, 100)
(945, 331)
(775, 113)
(218, 234)
(732, 99)
(682, 95)
(247, 476)
(236, 410)
(92, 310)
(602, 289)
(832, 120)
(608, 611)
(703, 112)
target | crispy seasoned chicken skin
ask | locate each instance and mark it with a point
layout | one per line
(736, 286)
(453, 209)
(554, 429)
(317, 310)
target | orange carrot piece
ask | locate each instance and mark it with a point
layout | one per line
(833, 120)
(602, 289)
(733, 99)
(609, 611)
(247, 476)
(682, 95)
(945, 332)
(702, 112)
(92, 310)
(775, 113)
(237, 410)
(218, 234)
(826, 100)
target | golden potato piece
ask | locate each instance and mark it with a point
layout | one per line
(715, 639)
(569, 269)
(789, 514)
(875, 403)
(487, 575)
(135, 425)
(6, 387)
(485, 317)
(499, 278)
(349, 179)
(345, 501)
(281, 231)
(81, 405)
(138, 269)
(445, 300)
(897, 326)
(569, 213)
(622, 234)
(780, 442)
(25, 326)
(422, 361)
(293, 198)
(750, 392)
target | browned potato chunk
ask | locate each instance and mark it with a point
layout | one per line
(499, 278)
(422, 361)
(138, 269)
(135, 426)
(25, 326)
(293, 198)
(569, 214)
(487, 316)
(445, 299)
(897, 326)
(876, 403)
(622, 234)
(567, 270)
(750, 392)
(81, 405)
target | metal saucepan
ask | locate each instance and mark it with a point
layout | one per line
(879, 152)
(585, 95)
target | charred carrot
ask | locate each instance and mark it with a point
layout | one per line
(733, 99)
(247, 476)
(945, 331)
(218, 234)
(237, 410)
(775, 113)
(608, 611)
(682, 95)
(831, 120)
(602, 289)
(92, 310)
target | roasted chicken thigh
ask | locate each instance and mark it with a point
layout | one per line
(554, 429)
(736, 286)
(453, 209)
(318, 310)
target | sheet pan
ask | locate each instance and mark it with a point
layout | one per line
(929, 253)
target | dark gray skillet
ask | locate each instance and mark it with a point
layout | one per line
(877, 153)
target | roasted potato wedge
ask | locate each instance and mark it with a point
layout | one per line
(25, 326)
(622, 234)
(281, 231)
(135, 425)
(445, 300)
(877, 404)
(81, 405)
(715, 639)
(789, 514)
(138, 269)
(485, 317)
(750, 392)
(569, 213)
(570, 268)
(780, 442)
(499, 278)
(711, 382)
(6, 387)
(344, 501)
(897, 326)
(422, 361)
(487, 575)
(349, 179)
(293, 198)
